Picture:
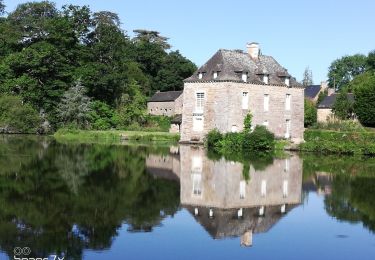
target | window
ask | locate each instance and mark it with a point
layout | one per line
(265, 79)
(245, 100)
(287, 130)
(215, 74)
(287, 164)
(244, 76)
(266, 102)
(234, 129)
(199, 101)
(287, 82)
(285, 188)
(265, 123)
(197, 184)
(287, 101)
(242, 189)
(198, 123)
(200, 75)
(263, 188)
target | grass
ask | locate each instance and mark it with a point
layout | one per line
(114, 136)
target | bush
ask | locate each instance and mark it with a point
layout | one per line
(213, 139)
(16, 117)
(310, 113)
(232, 142)
(342, 125)
(101, 116)
(247, 123)
(259, 140)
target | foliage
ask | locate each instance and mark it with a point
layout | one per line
(371, 60)
(247, 123)
(322, 96)
(351, 143)
(364, 92)
(343, 107)
(307, 77)
(18, 117)
(157, 123)
(340, 125)
(75, 107)
(261, 139)
(343, 70)
(213, 139)
(102, 116)
(310, 113)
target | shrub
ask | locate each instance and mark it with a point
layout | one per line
(310, 113)
(247, 123)
(232, 142)
(259, 140)
(101, 116)
(17, 117)
(213, 138)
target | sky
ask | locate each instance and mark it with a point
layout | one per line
(297, 33)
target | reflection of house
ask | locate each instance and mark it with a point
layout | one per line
(164, 166)
(165, 103)
(312, 92)
(325, 107)
(233, 83)
(227, 204)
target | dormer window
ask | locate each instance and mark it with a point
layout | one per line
(287, 81)
(200, 75)
(265, 79)
(244, 76)
(215, 74)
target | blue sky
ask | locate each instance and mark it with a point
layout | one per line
(297, 33)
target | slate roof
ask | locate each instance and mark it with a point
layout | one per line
(312, 91)
(165, 96)
(230, 64)
(328, 101)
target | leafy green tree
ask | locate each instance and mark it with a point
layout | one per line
(152, 37)
(343, 107)
(101, 116)
(307, 77)
(17, 116)
(75, 107)
(310, 113)
(132, 108)
(371, 60)
(2, 7)
(364, 94)
(247, 123)
(343, 70)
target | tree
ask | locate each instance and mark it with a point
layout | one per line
(310, 113)
(371, 60)
(2, 7)
(151, 37)
(75, 107)
(307, 77)
(364, 96)
(342, 108)
(343, 70)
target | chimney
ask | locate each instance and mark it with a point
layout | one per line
(253, 50)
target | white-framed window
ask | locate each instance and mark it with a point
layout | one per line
(200, 75)
(196, 164)
(215, 74)
(265, 79)
(244, 76)
(285, 188)
(263, 188)
(245, 100)
(199, 98)
(287, 130)
(287, 165)
(288, 99)
(234, 129)
(287, 81)
(198, 123)
(265, 123)
(266, 102)
(242, 189)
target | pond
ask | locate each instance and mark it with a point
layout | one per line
(87, 201)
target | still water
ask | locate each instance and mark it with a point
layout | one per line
(90, 201)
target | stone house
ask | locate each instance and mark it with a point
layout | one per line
(324, 108)
(312, 91)
(234, 83)
(167, 103)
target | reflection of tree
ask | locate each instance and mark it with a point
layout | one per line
(72, 197)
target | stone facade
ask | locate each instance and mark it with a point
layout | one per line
(324, 115)
(165, 108)
(222, 109)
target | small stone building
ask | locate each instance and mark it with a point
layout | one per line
(234, 83)
(167, 103)
(325, 113)
(312, 91)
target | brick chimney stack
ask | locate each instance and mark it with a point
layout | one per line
(253, 50)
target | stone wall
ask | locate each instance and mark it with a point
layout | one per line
(161, 108)
(178, 104)
(324, 115)
(223, 108)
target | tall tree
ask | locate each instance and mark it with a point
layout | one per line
(2, 7)
(371, 60)
(151, 37)
(307, 77)
(343, 107)
(343, 70)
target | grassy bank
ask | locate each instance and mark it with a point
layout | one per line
(114, 136)
(350, 143)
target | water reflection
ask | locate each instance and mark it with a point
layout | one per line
(227, 201)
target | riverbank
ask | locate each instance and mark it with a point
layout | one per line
(339, 142)
(114, 136)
